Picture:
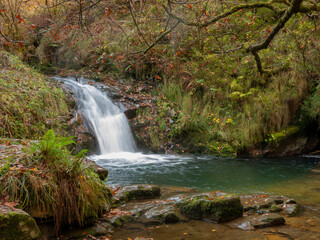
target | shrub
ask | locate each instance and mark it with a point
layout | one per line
(51, 179)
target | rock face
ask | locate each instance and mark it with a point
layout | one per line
(214, 207)
(16, 224)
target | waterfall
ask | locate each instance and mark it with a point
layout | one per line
(104, 118)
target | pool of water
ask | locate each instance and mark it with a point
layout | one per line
(208, 173)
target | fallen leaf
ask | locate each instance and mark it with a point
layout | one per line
(109, 11)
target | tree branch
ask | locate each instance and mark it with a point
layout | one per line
(136, 24)
(160, 37)
(294, 8)
(223, 15)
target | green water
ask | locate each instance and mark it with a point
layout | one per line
(207, 173)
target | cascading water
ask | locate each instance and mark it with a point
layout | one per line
(117, 154)
(105, 119)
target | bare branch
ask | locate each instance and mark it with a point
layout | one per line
(161, 37)
(136, 24)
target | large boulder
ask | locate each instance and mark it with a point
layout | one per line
(16, 224)
(218, 207)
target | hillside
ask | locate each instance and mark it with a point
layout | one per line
(30, 104)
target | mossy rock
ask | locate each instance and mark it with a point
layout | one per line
(218, 208)
(291, 209)
(275, 208)
(16, 224)
(270, 220)
(164, 213)
(137, 192)
(120, 220)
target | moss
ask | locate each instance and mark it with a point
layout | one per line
(18, 226)
(275, 208)
(170, 217)
(283, 134)
(119, 221)
(142, 193)
(217, 209)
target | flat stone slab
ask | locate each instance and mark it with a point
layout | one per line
(137, 192)
(268, 220)
(16, 224)
(262, 204)
(165, 213)
(216, 206)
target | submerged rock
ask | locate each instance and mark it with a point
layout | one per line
(15, 224)
(215, 207)
(118, 221)
(268, 220)
(137, 192)
(96, 230)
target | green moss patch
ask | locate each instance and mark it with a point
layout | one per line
(17, 225)
(216, 208)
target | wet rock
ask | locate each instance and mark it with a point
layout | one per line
(215, 207)
(137, 192)
(96, 230)
(278, 200)
(290, 201)
(275, 208)
(268, 220)
(165, 213)
(291, 209)
(16, 224)
(118, 221)
(102, 172)
(262, 203)
(131, 113)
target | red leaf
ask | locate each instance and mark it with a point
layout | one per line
(189, 6)
(158, 77)
(109, 11)
(20, 45)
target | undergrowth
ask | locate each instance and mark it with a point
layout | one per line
(29, 104)
(50, 180)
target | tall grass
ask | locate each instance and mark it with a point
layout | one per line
(51, 181)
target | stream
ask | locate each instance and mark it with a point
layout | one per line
(118, 153)
(288, 176)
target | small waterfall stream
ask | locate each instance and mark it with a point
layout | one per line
(126, 166)
(105, 119)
